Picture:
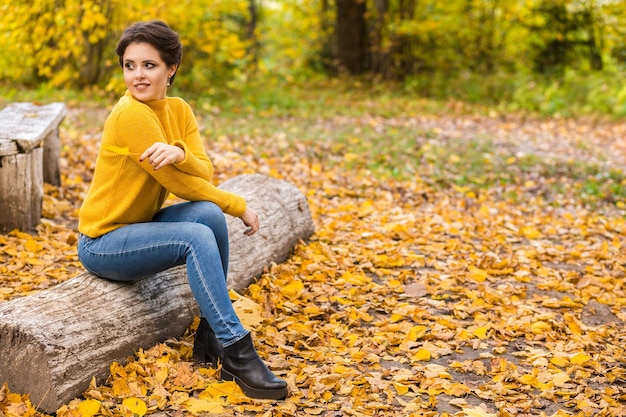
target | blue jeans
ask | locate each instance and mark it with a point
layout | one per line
(191, 233)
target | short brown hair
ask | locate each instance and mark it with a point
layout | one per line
(158, 34)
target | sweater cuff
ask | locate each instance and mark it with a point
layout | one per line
(237, 207)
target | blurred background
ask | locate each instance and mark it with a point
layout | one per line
(546, 56)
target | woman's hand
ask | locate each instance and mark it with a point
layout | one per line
(161, 154)
(250, 219)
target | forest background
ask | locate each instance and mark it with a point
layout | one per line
(556, 56)
(464, 163)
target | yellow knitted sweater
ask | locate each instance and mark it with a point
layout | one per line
(125, 191)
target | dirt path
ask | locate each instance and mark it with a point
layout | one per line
(582, 139)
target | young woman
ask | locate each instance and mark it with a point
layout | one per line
(151, 147)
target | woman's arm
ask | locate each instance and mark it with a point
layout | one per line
(147, 146)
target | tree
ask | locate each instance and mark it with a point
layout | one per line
(570, 36)
(352, 35)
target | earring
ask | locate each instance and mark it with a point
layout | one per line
(168, 82)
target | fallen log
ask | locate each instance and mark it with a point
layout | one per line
(52, 343)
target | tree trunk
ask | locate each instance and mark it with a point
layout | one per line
(53, 343)
(379, 56)
(251, 35)
(352, 38)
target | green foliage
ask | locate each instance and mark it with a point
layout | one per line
(296, 36)
(573, 94)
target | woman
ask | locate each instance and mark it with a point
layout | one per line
(151, 147)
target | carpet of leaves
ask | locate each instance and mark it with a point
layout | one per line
(410, 299)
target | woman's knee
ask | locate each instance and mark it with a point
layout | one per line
(208, 213)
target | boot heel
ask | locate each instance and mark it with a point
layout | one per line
(202, 354)
(275, 393)
(206, 347)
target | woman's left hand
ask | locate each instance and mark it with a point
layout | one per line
(251, 220)
(161, 154)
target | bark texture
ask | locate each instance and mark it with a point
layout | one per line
(53, 343)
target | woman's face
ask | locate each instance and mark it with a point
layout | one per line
(145, 73)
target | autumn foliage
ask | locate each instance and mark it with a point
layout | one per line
(465, 263)
(72, 42)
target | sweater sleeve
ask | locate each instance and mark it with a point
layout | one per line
(193, 188)
(194, 185)
(196, 160)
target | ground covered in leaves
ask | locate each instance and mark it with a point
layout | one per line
(464, 263)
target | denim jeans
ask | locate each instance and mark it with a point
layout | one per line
(191, 233)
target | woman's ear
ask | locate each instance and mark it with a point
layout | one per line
(173, 70)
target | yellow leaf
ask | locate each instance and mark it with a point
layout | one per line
(478, 274)
(334, 342)
(136, 405)
(530, 232)
(528, 379)
(89, 408)
(559, 361)
(481, 332)
(580, 358)
(355, 279)
(421, 355)
(477, 412)
(401, 389)
(560, 379)
(458, 390)
(573, 324)
(32, 245)
(540, 327)
(416, 332)
(197, 406)
(249, 312)
(161, 374)
(120, 387)
(220, 389)
(293, 289)
(395, 317)
(463, 335)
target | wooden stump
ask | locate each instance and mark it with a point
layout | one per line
(29, 155)
(21, 190)
(53, 343)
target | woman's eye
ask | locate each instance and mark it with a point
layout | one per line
(149, 65)
(129, 66)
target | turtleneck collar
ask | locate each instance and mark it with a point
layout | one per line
(158, 106)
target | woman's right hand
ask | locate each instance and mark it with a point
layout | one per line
(161, 154)
(251, 220)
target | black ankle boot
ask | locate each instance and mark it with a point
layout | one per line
(242, 364)
(206, 347)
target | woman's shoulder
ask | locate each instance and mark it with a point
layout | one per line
(128, 108)
(178, 103)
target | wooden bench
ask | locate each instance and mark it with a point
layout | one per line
(29, 156)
